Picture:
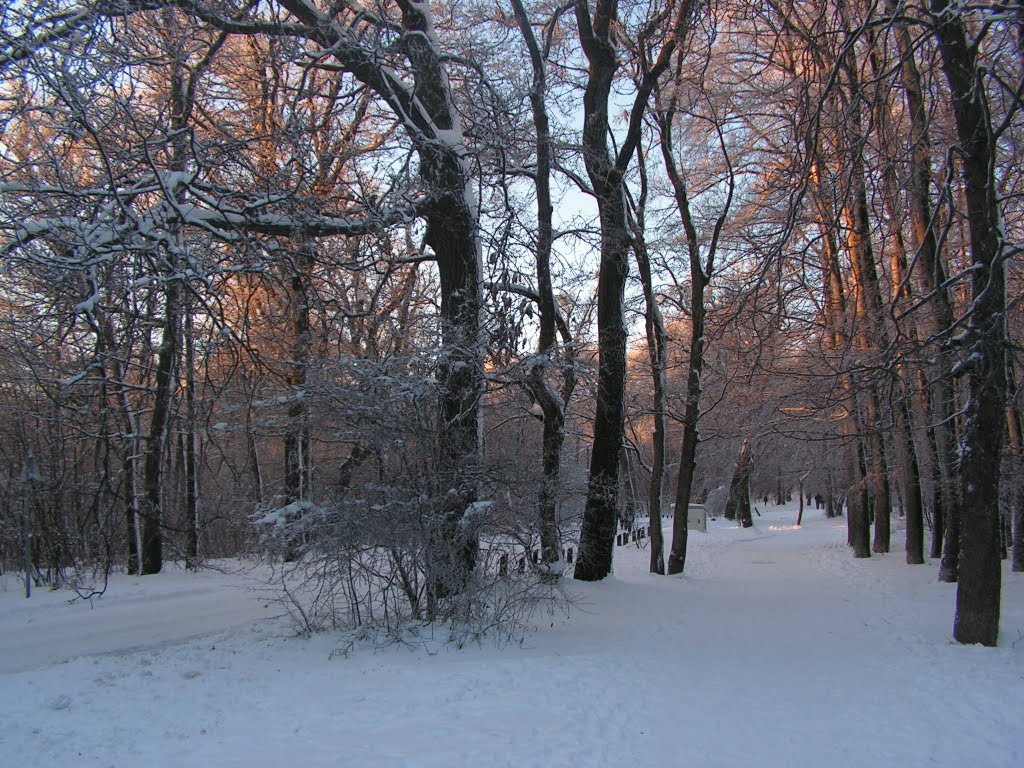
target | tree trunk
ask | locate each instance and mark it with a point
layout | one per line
(191, 448)
(980, 572)
(858, 516)
(152, 509)
(871, 334)
(1015, 433)
(253, 456)
(599, 515)
(938, 504)
(130, 443)
(1017, 555)
(598, 35)
(881, 495)
(452, 233)
(913, 500)
(298, 460)
(933, 281)
(181, 104)
(836, 344)
(657, 355)
(738, 505)
(552, 404)
(700, 277)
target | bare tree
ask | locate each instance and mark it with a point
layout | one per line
(597, 33)
(979, 583)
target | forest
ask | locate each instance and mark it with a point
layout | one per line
(427, 303)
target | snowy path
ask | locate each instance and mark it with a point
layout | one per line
(776, 649)
(50, 628)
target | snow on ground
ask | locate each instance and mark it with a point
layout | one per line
(776, 649)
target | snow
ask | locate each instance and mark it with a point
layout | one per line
(776, 648)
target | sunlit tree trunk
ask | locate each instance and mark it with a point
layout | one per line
(836, 343)
(932, 275)
(901, 300)
(871, 336)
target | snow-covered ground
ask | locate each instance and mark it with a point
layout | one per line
(776, 649)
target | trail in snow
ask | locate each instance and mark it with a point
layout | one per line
(53, 627)
(776, 649)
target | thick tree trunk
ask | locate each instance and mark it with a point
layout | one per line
(170, 344)
(980, 572)
(599, 515)
(857, 516)
(1017, 552)
(598, 531)
(452, 234)
(428, 114)
(738, 505)
(598, 35)
(1015, 434)
(453, 240)
(156, 441)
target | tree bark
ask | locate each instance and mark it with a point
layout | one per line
(452, 233)
(1017, 551)
(598, 34)
(599, 515)
(871, 336)
(190, 440)
(180, 99)
(657, 355)
(933, 283)
(152, 508)
(914, 546)
(980, 572)
(298, 460)
(701, 271)
(552, 403)
(738, 505)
